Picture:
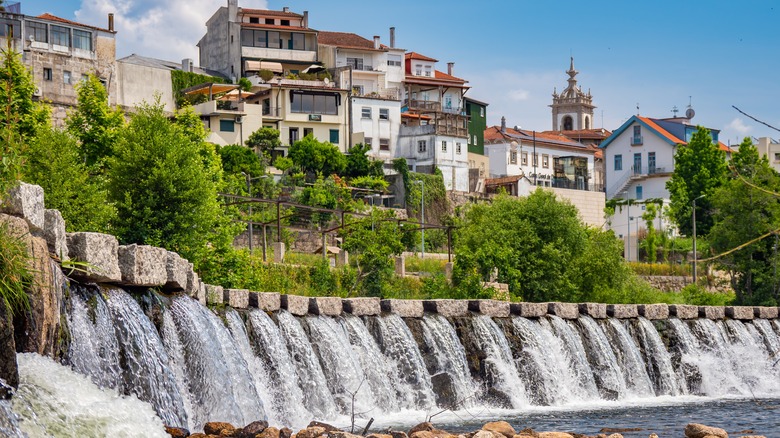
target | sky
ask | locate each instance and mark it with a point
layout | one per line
(651, 55)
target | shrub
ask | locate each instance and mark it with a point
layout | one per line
(15, 276)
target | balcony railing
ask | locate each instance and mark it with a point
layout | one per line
(428, 105)
(274, 112)
(647, 170)
(451, 130)
(637, 140)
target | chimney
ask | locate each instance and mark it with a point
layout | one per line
(286, 9)
(111, 22)
(305, 22)
(186, 65)
(450, 67)
(503, 124)
(376, 41)
(392, 37)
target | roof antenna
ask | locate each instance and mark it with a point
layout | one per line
(637, 108)
(675, 111)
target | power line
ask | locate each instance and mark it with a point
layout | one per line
(755, 119)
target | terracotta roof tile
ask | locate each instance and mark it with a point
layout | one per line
(276, 26)
(494, 134)
(347, 40)
(661, 130)
(50, 17)
(269, 13)
(415, 55)
(595, 134)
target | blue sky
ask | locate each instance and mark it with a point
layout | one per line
(654, 54)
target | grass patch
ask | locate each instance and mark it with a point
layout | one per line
(432, 266)
(15, 275)
(661, 269)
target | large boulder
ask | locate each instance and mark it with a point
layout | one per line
(219, 428)
(37, 331)
(695, 430)
(501, 427)
(445, 391)
(9, 372)
(295, 304)
(311, 432)
(26, 201)
(765, 312)
(177, 432)
(684, 311)
(54, 233)
(712, 312)
(100, 253)
(742, 313)
(269, 432)
(622, 311)
(143, 265)
(253, 429)
(236, 298)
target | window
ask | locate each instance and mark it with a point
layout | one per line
(82, 40)
(298, 41)
(545, 161)
(651, 163)
(587, 122)
(384, 114)
(314, 103)
(475, 140)
(308, 131)
(284, 22)
(422, 146)
(254, 20)
(84, 77)
(428, 70)
(458, 148)
(334, 136)
(293, 135)
(384, 144)
(394, 60)
(37, 31)
(512, 157)
(444, 146)
(60, 36)
(636, 139)
(481, 111)
(524, 158)
(638, 192)
(357, 90)
(365, 112)
(355, 63)
(274, 40)
(368, 141)
(227, 125)
(418, 70)
(269, 21)
(47, 74)
(638, 164)
(536, 160)
(66, 77)
(618, 162)
(468, 139)
(777, 157)
(568, 123)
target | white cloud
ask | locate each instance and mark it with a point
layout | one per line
(167, 30)
(519, 94)
(739, 126)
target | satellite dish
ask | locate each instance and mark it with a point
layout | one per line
(689, 113)
(326, 80)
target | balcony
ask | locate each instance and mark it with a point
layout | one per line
(423, 105)
(640, 171)
(637, 140)
(382, 93)
(272, 112)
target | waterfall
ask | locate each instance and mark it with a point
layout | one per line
(218, 381)
(278, 379)
(122, 329)
(501, 370)
(771, 340)
(398, 345)
(752, 359)
(440, 336)
(52, 400)
(657, 359)
(609, 378)
(575, 351)
(380, 372)
(9, 423)
(629, 357)
(317, 398)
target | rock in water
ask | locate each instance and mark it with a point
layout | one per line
(311, 432)
(269, 432)
(501, 427)
(254, 428)
(327, 427)
(285, 432)
(219, 428)
(695, 430)
(177, 432)
(421, 427)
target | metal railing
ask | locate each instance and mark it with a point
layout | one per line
(637, 140)
(423, 104)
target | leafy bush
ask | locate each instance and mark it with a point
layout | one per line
(266, 75)
(417, 264)
(660, 269)
(697, 295)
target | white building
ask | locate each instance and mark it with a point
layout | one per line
(769, 148)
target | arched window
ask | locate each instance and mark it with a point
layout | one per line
(587, 122)
(568, 125)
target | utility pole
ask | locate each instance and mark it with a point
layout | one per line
(251, 228)
(422, 215)
(693, 217)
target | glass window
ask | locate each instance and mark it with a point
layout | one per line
(274, 40)
(418, 70)
(355, 63)
(66, 77)
(444, 146)
(284, 22)
(293, 135)
(254, 20)
(299, 41)
(368, 141)
(82, 40)
(365, 112)
(394, 60)
(536, 160)
(384, 144)
(247, 37)
(481, 112)
(37, 31)
(422, 146)
(524, 158)
(334, 136)
(269, 21)
(427, 70)
(545, 161)
(227, 125)
(618, 162)
(47, 76)
(638, 192)
(513, 157)
(308, 103)
(308, 131)
(459, 149)
(60, 36)
(384, 114)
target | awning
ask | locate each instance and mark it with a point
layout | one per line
(275, 67)
(314, 68)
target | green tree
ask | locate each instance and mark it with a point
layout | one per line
(651, 241)
(374, 242)
(743, 213)
(699, 169)
(264, 141)
(315, 157)
(94, 122)
(164, 183)
(237, 159)
(55, 163)
(360, 165)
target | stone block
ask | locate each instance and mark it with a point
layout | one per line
(712, 312)
(368, 306)
(26, 201)
(54, 233)
(99, 252)
(328, 306)
(176, 270)
(236, 298)
(279, 250)
(265, 301)
(295, 304)
(684, 311)
(403, 308)
(492, 308)
(447, 308)
(215, 294)
(564, 310)
(529, 310)
(143, 265)
(448, 267)
(202, 292)
(765, 312)
(594, 310)
(192, 282)
(622, 311)
(654, 311)
(400, 266)
(342, 258)
(742, 313)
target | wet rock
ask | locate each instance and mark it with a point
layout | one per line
(177, 432)
(37, 330)
(265, 301)
(326, 426)
(176, 270)
(379, 435)
(742, 313)
(252, 429)
(26, 201)
(765, 312)
(501, 427)
(99, 252)
(295, 304)
(488, 434)
(491, 308)
(622, 311)
(695, 430)
(198, 435)
(311, 432)
(285, 432)
(342, 434)
(215, 294)
(420, 427)
(269, 432)
(712, 312)
(529, 310)
(327, 306)
(564, 310)
(398, 434)
(444, 389)
(143, 265)
(54, 233)
(498, 398)
(236, 298)
(367, 306)
(403, 308)
(9, 371)
(193, 282)
(447, 308)
(219, 428)
(684, 311)
(556, 435)
(594, 310)
(526, 433)
(654, 311)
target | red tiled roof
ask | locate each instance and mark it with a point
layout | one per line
(439, 78)
(594, 134)
(415, 55)
(50, 17)
(661, 130)
(415, 116)
(723, 147)
(503, 180)
(269, 13)
(276, 26)
(494, 134)
(346, 40)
